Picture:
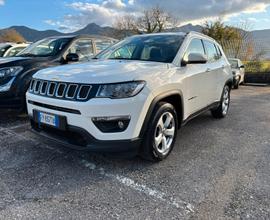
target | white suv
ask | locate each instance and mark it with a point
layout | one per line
(134, 96)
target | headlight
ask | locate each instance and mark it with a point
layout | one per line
(120, 90)
(10, 71)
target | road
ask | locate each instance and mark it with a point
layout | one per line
(219, 169)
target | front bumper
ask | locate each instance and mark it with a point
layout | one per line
(9, 101)
(79, 139)
(81, 114)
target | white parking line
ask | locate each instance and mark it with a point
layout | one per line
(177, 203)
(14, 127)
(18, 126)
(154, 193)
(35, 143)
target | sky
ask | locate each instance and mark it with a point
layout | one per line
(71, 15)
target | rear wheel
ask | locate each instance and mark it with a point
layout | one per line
(161, 134)
(224, 104)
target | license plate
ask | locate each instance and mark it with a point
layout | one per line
(48, 119)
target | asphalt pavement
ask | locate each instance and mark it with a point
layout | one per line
(219, 169)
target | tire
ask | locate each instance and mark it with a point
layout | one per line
(222, 110)
(236, 86)
(157, 144)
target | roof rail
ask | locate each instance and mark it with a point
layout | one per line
(201, 34)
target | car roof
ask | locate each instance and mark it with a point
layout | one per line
(161, 34)
(234, 59)
(80, 36)
(183, 34)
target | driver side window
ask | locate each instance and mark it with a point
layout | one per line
(83, 48)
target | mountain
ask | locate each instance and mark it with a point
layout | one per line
(262, 41)
(33, 35)
(261, 37)
(94, 29)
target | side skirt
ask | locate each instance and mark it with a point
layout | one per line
(194, 115)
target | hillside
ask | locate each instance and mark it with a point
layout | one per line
(261, 37)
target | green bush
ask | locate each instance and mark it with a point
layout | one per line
(257, 66)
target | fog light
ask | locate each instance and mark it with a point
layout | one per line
(121, 124)
(111, 124)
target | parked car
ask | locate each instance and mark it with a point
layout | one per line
(16, 72)
(4, 47)
(238, 70)
(15, 49)
(134, 97)
(11, 49)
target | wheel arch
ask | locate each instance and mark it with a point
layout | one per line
(173, 97)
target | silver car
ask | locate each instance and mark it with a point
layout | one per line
(238, 70)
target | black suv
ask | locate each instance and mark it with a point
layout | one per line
(16, 72)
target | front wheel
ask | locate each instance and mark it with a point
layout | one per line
(222, 110)
(161, 133)
(237, 83)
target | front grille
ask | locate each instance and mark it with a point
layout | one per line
(61, 90)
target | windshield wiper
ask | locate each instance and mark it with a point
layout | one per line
(26, 55)
(121, 58)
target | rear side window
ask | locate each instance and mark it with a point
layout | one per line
(218, 51)
(84, 49)
(211, 50)
(195, 46)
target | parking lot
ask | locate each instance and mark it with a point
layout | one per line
(218, 169)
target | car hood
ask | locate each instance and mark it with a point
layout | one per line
(11, 59)
(105, 71)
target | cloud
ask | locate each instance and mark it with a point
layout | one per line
(105, 12)
(2, 2)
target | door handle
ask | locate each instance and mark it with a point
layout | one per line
(208, 70)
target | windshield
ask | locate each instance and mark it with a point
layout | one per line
(45, 47)
(103, 44)
(234, 63)
(157, 48)
(3, 49)
(14, 51)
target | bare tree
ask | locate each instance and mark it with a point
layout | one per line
(153, 20)
(127, 23)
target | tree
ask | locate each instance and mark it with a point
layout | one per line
(151, 21)
(237, 42)
(11, 35)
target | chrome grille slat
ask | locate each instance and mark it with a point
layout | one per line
(79, 95)
(31, 88)
(51, 85)
(57, 90)
(60, 90)
(37, 86)
(44, 84)
(70, 86)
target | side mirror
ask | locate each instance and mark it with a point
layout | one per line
(242, 67)
(72, 57)
(194, 58)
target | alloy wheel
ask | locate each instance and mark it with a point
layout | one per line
(164, 133)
